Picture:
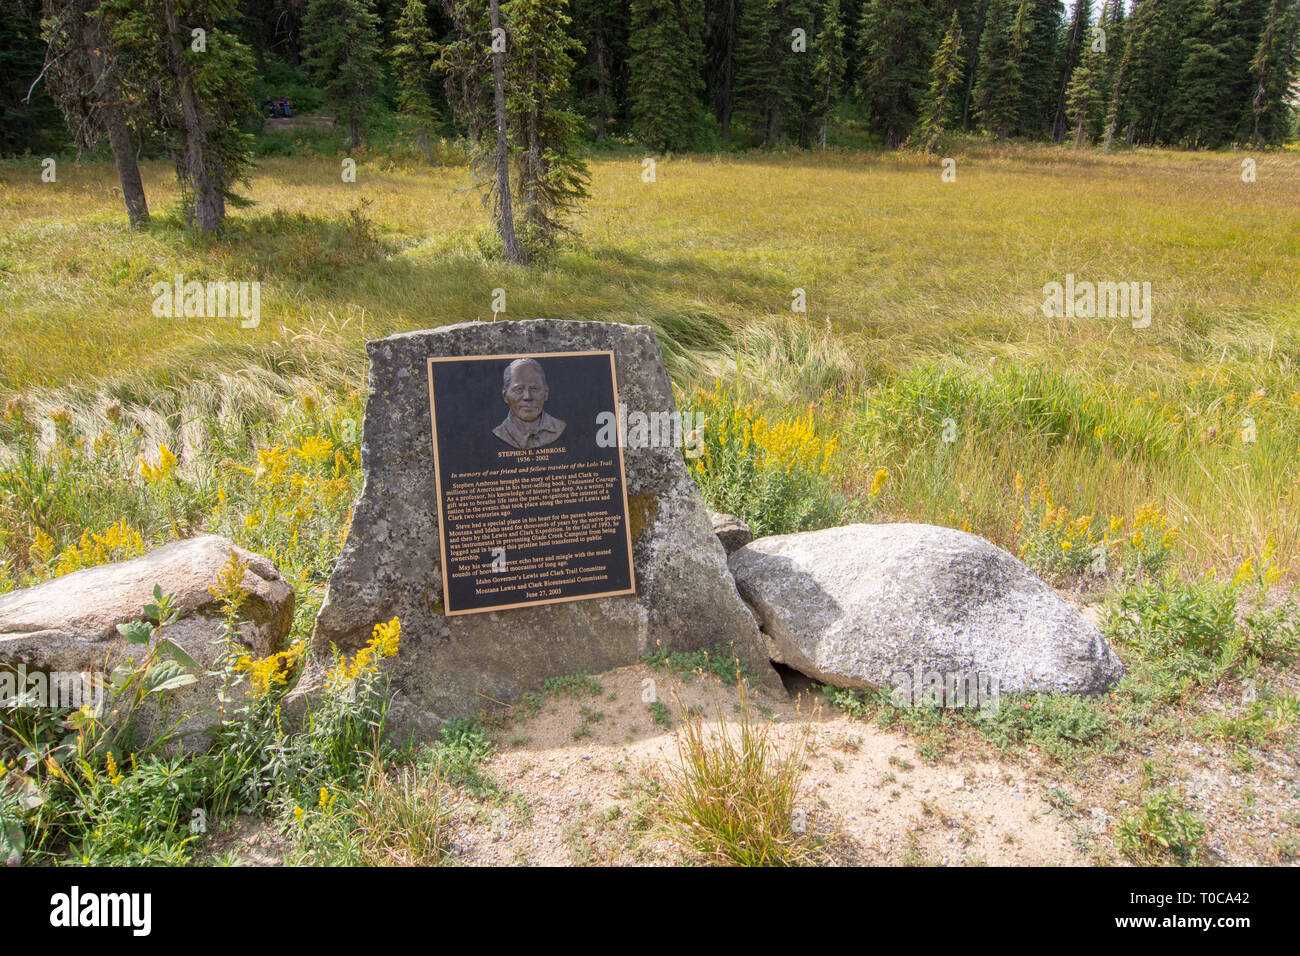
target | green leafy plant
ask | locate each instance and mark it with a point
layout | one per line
(1162, 830)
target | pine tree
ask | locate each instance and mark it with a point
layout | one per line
(191, 73)
(551, 174)
(1038, 75)
(895, 38)
(972, 26)
(1155, 49)
(773, 80)
(513, 99)
(1215, 87)
(82, 70)
(720, 59)
(602, 27)
(29, 118)
(665, 71)
(1083, 96)
(474, 61)
(945, 77)
(1273, 70)
(1073, 42)
(342, 43)
(413, 57)
(997, 87)
(828, 67)
(1121, 52)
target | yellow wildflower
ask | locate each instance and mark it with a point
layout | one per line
(313, 448)
(1244, 571)
(878, 481)
(383, 644)
(161, 471)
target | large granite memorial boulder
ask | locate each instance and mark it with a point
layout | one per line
(857, 605)
(457, 666)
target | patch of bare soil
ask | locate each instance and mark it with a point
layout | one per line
(580, 778)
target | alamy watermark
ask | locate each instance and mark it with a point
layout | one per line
(21, 688)
(1084, 299)
(208, 300)
(657, 429)
(946, 689)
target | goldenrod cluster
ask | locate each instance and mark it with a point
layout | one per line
(266, 673)
(383, 644)
(118, 542)
(161, 471)
(785, 445)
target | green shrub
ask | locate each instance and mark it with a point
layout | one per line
(773, 475)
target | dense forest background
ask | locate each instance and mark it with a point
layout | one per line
(715, 74)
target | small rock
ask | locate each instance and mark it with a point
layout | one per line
(731, 531)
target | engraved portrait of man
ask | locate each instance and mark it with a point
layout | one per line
(528, 425)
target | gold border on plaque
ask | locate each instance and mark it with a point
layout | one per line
(437, 474)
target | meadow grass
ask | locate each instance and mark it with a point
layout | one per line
(922, 383)
(923, 305)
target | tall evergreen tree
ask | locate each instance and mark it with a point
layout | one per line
(182, 60)
(896, 41)
(413, 57)
(972, 16)
(722, 17)
(551, 174)
(1119, 58)
(342, 42)
(602, 27)
(666, 69)
(1156, 51)
(474, 61)
(1273, 69)
(1038, 67)
(82, 70)
(513, 98)
(1074, 41)
(29, 119)
(945, 79)
(1214, 81)
(828, 67)
(997, 87)
(1084, 95)
(770, 73)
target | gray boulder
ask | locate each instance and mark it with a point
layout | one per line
(458, 666)
(731, 531)
(854, 606)
(69, 624)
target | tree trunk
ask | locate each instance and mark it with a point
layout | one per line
(1072, 44)
(725, 99)
(119, 136)
(602, 68)
(209, 198)
(505, 214)
(774, 126)
(977, 35)
(1115, 100)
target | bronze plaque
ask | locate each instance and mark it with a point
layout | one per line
(532, 499)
